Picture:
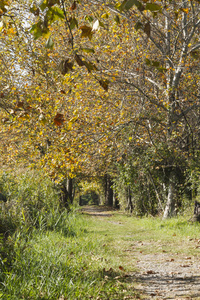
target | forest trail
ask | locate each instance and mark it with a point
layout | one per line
(160, 273)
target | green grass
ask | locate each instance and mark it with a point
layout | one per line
(96, 260)
(52, 266)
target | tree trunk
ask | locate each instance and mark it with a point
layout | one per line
(67, 192)
(116, 201)
(108, 190)
(170, 205)
(129, 200)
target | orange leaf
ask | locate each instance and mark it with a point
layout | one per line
(73, 7)
(86, 31)
(59, 119)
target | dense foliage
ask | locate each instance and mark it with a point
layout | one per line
(104, 91)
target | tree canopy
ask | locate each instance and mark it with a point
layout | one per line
(103, 87)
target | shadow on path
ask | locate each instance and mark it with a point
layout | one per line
(97, 211)
(161, 286)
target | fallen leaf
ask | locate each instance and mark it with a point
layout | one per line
(151, 272)
(185, 266)
(59, 119)
(121, 268)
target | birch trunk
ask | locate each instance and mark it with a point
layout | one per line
(170, 205)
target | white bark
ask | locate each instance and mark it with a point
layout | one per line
(170, 205)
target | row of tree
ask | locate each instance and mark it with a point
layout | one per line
(104, 89)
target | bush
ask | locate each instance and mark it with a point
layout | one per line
(33, 201)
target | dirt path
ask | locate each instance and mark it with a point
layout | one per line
(162, 275)
(166, 276)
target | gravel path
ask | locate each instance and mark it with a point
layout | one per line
(164, 275)
(167, 276)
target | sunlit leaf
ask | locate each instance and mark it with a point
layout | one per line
(89, 18)
(54, 14)
(88, 50)
(1, 26)
(48, 3)
(95, 25)
(49, 43)
(36, 30)
(3, 4)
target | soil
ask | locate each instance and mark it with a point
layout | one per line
(162, 275)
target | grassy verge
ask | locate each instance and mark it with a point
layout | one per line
(50, 265)
(95, 260)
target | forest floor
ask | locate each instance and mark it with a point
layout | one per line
(159, 267)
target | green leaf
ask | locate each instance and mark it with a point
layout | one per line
(36, 30)
(117, 19)
(39, 29)
(155, 63)
(35, 10)
(57, 12)
(147, 29)
(49, 43)
(54, 14)
(43, 5)
(128, 4)
(89, 18)
(101, 24)
(90, 66)
(138, 25)
(153, 7)
(48, 3)
(148, 62)
(88, 50)
(73, 23)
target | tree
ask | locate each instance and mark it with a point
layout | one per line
(111, 84)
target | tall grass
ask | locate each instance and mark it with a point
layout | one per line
(32, 206)
(46, 251)
(49, 253)
(33, 202)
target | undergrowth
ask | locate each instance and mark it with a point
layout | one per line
(50, 253)
(47, 252)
